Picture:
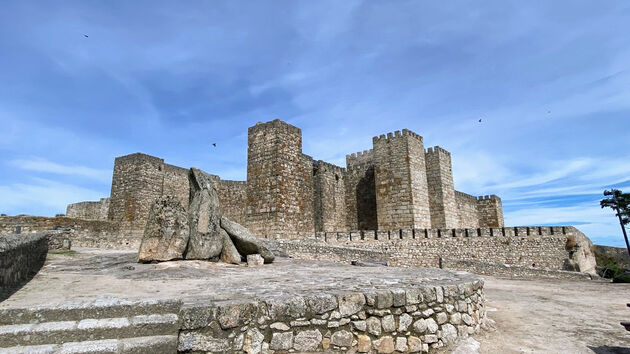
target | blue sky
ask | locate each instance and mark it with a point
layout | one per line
(549, 79)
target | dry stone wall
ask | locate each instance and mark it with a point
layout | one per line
(415, 319)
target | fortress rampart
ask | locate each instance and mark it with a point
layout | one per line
(395, 185)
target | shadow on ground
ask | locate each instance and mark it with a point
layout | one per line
(605, 349)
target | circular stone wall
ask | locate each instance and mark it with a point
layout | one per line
(289, 305)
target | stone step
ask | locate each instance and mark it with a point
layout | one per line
(105, 307)
(137, 345)
(60, 332)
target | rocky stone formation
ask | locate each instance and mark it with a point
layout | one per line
(245, 242)
(204, 218)
(166, 234)
(201, 233)
(581, 255)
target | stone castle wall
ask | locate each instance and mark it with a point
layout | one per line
(539, 247)
(89, 210)
(329, 199)
(467, 210)
(397, 184)
(401, 183)
(442, 203)
(279, 182)
(360, 191)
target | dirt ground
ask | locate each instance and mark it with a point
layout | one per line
(556, 316)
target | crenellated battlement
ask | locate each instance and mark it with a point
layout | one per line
(446, 234)
(360, 158)
(276, 125)
(488, 197)
(395, 135)
(327, 166)
(436, 150)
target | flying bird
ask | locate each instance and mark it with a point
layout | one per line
(85, 35)
(479, 120)
(214, 144)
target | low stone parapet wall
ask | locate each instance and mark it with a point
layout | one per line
(522, 246)
(399, 319)
(511, 271)
(83, 233)
(21, 257)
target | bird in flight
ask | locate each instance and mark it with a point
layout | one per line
(214, 144)
(479, 120)
(85, 35)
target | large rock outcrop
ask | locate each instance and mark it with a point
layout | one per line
(201, 233)
(204, 218)
(166, 233)
(245, 242)
(581, 256)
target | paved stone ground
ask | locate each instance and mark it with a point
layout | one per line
(91, 273)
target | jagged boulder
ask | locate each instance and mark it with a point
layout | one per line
(229, 254)
(581, 256)
(245, 242)
(166, 233)
(204, 218)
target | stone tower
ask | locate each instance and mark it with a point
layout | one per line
(444, 211)
(136, 183)
(402, 199)
(490, 211)
(279, 182)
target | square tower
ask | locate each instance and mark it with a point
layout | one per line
(279, 182)
(400, 176)
(444, 211)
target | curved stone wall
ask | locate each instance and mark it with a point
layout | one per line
(21, 256)
(411, 319)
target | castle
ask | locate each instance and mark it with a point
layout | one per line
(289, 195)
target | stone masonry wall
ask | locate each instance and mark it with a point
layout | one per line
(136, 183)
(521, 246)
(89, 210)
(279, 182)
(360, 191)
(233, 199)
(413, 319)
(444, 211)
(401, 183)
(176, 183)
(329, 202)
(468, 212)
(21, 256)
(84, 233)
(490, 211)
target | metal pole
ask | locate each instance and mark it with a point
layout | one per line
(623, 228)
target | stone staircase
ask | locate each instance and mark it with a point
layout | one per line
(105, 325)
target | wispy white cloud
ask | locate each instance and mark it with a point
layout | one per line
(42, 165)
(42, 196)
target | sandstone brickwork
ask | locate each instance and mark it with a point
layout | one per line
(397, 184)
